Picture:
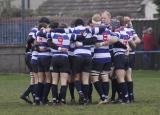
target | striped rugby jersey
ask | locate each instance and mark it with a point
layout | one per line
(102, 54)
(124, 38)
(62, 40)
(42, 44)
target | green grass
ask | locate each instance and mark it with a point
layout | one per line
(147, 88)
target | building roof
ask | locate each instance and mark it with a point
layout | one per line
(132, 8)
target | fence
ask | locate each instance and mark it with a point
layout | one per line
(12, 60)
(147, 60)
(15, 31)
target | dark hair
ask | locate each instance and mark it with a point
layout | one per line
(121, 19)
(115, 24)
(63, 25)
(54, 25)
(44, 20)
(89, 21)
(42, 25)
(79, 22)
(41, 34)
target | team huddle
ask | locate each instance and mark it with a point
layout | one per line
(81, 56)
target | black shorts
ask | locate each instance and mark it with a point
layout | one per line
(60, 64)
(34, 64)
(131, 60)
(82, 63)
(97, 66)
(44, 63)
(28, 61)
(71, 60)
(121, 62)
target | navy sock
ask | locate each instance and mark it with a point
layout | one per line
(105, 87)
(39, 90)
(86, 90)
(71, 89)
(99, 89)
(90, 91)
(28, 91)
(63, 92)
(119, 90)
(78, 86)
(114, 88)
(54, 91)
(130, 90)
(46, 91)
(124, 91)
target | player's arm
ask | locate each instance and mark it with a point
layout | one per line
(29, 43)
(132, 44)
(136, 38)
(111, 38)
(80, 40)
(63, 30)
(52, 45)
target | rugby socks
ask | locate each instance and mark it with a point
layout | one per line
(105, 87)
(99, 89)
(114, 88)
(28, 91)
(46, 92)
(130, 90)
(90, 92)
(62, 95)
(123, 87)
(39, 90)
(71, 89)
(86, 90)
(54, 91)
(78, 86)
(34, 92)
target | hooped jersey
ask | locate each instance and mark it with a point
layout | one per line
(102, 54)
(124, 39)
(86, 49)
(62, 40)
(132, 33)
(42, 44)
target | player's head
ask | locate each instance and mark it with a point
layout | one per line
(121, 20)
(96, 20)
(105, 17)
(115, 24)
(127, 21)
(44, 20)
(41, 33)
(53, 25)
(42, 26)
(62, 25)
(79, 22)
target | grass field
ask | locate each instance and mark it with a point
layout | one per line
(147, 88)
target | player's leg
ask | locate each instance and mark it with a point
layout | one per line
(105, 78)
(41, 78)
(77, 69)
(47, 83)
(63, 89)
(129, 77)
(120, 72)
(86, 69)
(71, 79)
(55, 80)
(30, 88)
(95, 74)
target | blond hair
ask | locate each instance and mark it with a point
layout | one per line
(96, 18)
